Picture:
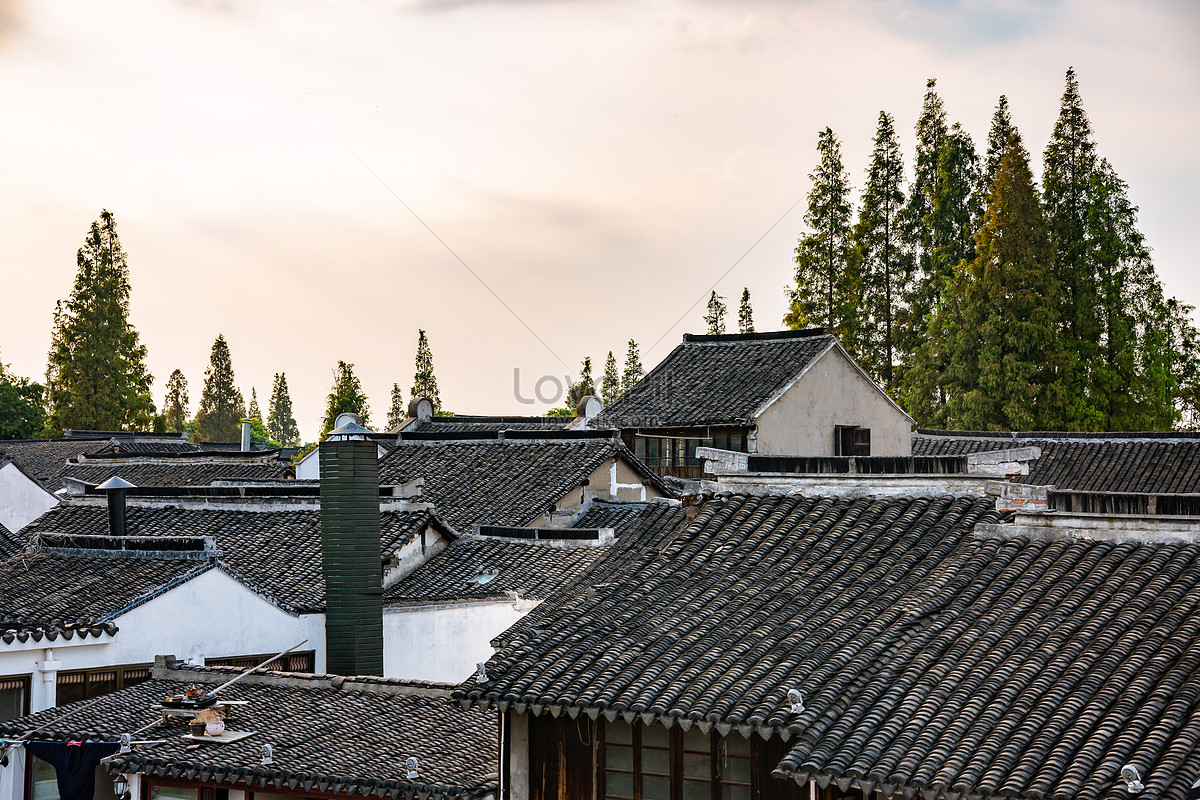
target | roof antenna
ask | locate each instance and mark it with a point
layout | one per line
(796, 700)
(267, 755)
(481, 673)
(1133, 780)
(411, 764)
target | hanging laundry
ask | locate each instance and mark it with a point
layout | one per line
(12, 771)
(74, 765)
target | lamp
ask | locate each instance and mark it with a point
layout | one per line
(121, 786)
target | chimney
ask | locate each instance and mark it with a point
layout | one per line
(115, 489)
(350, 553)
(246, 435)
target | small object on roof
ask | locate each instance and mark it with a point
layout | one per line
(421, 408)
(1132, 778)
(349, 430)
(267, 755)
(796, 701)
(481, 673)
(126, 743)
(411, 764)
(114, 483)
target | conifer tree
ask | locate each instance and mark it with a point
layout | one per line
(219, 417)
(610, 390)
(714, 318)
(633, 367)
(397, 412)
(745, 313)
(1006, 369)
(96, 376)
(345, 396)
(583, 387)
(825, 291)
(1002, 128)
(22, 415)
(254, 412)
(424, 381)
(879, 256)
(175, 404)
(281, 425)
(1069, 165)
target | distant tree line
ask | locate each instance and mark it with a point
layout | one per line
(983, 302)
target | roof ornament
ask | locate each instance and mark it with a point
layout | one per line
(1132, 778)
(481, 673)
(411, 765)
(268, 755)
(126, 743)
(796, 701)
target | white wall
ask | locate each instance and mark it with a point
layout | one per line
(444, 642)
(22, 499)
(211, 615)
(831, 392)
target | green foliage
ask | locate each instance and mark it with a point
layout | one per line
(633, 367)
(260, 435)
(22, 414)
(745, 313)
(96, 375)
(1002, 128)
(714, 317)
(219, 417)
(397, 411)
(581, 388)
(1007, 365)
(880, 262)
(424, 382)
(175, 404)
(611, 388)
(281, 425)
(346, 396)
(254, 412)
(826, 288)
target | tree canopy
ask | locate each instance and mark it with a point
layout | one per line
(22, 415)
(281, 425)
(345, 396)
(219, 417)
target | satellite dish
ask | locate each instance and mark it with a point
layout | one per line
(589, 406)
(420, 408)
(345, 417)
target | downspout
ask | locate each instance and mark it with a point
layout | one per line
(49, 668)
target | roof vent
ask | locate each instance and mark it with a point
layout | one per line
(116, 487)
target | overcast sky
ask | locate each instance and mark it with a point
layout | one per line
(598, 164)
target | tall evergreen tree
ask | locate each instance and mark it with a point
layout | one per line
(879, 256)
(280, 423)
(345, 396)
(714, 317)
(745, 313)
(96, 376)
(219, 417)
(583, 387)
(175, 404)
(826, 290)
(22, 415)
(610, 390)
(398, 411)
(424, 381)
(1002, 128)
(633, 367)
(254, 412)
(1069, 165)
(1006, 369)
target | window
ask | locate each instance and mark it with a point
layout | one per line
(304, 661)
(85, 684)
(14, 697)
(851, 440)
(651, 762)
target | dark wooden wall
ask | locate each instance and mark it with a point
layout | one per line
(560, 758)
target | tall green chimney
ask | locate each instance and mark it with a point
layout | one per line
(350, 556)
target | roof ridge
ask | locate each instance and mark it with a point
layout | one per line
(758, 336)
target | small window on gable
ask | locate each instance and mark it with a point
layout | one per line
(851, 440)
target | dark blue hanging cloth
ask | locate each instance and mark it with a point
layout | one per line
(74, 763)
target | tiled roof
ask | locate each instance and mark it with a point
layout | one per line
(327, 734)
(52, 591)
(1142, 467)
(929, 659)
(199, 470)
(500, 482)
(278, 553)
(46, 459)
(715, 380)
(951, 445)
(621, 517)
(460, 423)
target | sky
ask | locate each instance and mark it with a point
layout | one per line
(529, 181)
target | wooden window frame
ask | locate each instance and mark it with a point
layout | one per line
(27, 681)
(851, 440)
(675, 760)
(119, 671)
